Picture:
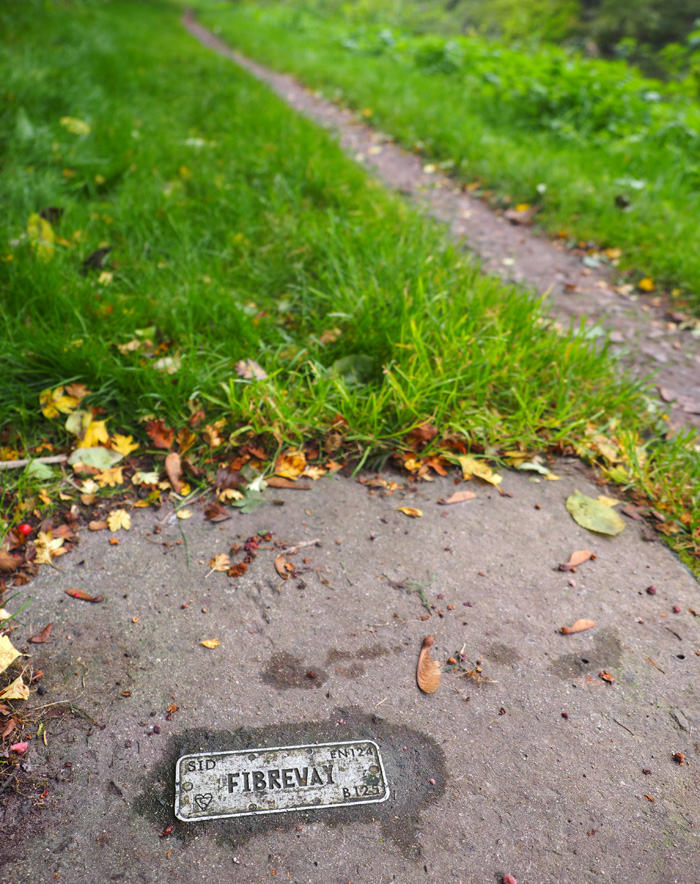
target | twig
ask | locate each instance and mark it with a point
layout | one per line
(285, 545)
(18, 464)
(623, 726)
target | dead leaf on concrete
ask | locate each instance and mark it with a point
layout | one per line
(8, 653)
(283, 567)
(118, 519)
(216, 513)
(237, 570)
(43, 635)
(606, 676)
(210, 643)
(579, 626)
(97, 525)
(280, 482)
(593, 514)
(472, 467)
(428, 672)
(84, 596)
(219, 563)
(457, 497)
(577, 558)
(410, 511)
(16, 690)
(173, 468)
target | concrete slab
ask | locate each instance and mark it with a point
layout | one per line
(487, 777)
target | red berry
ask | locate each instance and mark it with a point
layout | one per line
(25, 529)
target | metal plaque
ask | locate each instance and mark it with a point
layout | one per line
(212, 785)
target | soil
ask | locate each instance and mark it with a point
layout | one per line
(644, 331)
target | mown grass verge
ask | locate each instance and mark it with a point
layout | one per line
(609, 157)
(239, 232)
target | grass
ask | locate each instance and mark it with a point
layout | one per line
(239, 231)
(610, 157)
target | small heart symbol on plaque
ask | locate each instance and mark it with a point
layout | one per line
(203, 801)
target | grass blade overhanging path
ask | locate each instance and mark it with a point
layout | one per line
(608, 156)
(240, 231)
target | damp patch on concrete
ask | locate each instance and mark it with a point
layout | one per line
(284, 671)
(414, 763)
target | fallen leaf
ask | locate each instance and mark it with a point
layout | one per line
(210, 643)
(15, 690)
(173, 468)
(608, 501)
(47, 548)
(8, 653)
(212, 436)
(216, 513)
(606, 676)
(291, 464)
(97, 525)
(457, 497)
(99, 457)
(75, 126)
(159, 434)
(646, 284)
(123, 444)
(220, 563)
(43, 635)
(423, 434)
(20, 747)
(141, 478)
(579, 626)
(329, 336)
(314, 473)
(472, 467)
(250, 370)
(577, 558)
(237, 570)
(279, 482)
(110, 477)
(594, 515)
(282, 566)
(428, 672)
(95, 260)
(83, 596)
(8, 562)
(184, 514)
(410, 511)
(119, 519)
(54, 401)
(95, 433)
(41, 235)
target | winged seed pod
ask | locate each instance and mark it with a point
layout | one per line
(428, 673)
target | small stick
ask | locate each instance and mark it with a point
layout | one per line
(285, 545)
(18, 464)
(624, 726)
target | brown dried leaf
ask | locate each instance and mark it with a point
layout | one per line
(579, 626)
(280, 482)
(237, 570)
(428, 672)
(281, 567)
(83, 596)
(8, 562)
(220, 563)
(210, 643)
(160, 435)
(250, 370)
(97, 525)
(43, 635)
(173, 468)
(577, 558)
(606, 676)
(216, 513)
(410, 511)
(457, 497)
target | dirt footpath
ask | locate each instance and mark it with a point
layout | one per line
(546, 756)
(647, 333)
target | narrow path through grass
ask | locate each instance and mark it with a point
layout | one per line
(238, 231)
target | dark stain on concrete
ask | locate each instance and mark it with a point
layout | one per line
(501, 653)
(285, 671)
(354, 670)
(336, 656)
(409, 771)
(605, 652)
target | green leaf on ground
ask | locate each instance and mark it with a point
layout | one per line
(594, 515)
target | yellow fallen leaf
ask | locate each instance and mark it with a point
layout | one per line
(75, 126)
(291, 464)
(89, 486)
(522, 207)
(314, 472)
(210, 643)
(184, 514)
(47, 547)
(105, 278)
(41, 235)
(410, 511)
(16, 690)
(53, 401)
(550, 477)
(123, 444)
(118, 519)
(472, 467)
(95, 433)
(8, 653)
(646, 284)
(220, 563)
(608, 501)
(141, 478)
(110, 477)
(212, 436)
(229, 494)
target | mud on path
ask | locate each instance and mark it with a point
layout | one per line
(646, 335)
